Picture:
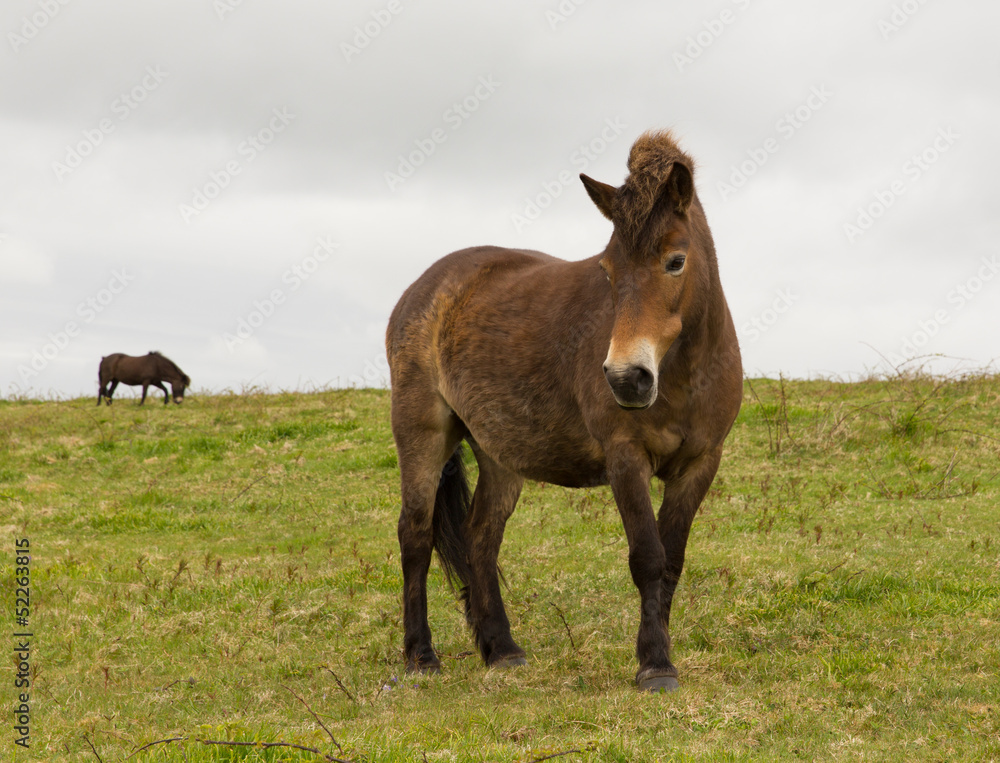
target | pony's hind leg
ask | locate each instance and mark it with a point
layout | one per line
(426, 436)
(493, 502)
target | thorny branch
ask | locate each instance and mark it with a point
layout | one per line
(565, 625)
(153, 744)
(313, 714)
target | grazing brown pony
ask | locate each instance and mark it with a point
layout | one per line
(148, 370)
(609, 370)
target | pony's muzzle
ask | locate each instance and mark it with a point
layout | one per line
(632, 386)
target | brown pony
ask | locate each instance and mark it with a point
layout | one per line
(609, 370)
(148, 370)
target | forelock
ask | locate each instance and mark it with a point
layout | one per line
(650, 161)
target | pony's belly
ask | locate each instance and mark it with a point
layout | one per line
(583, 477)
(540, 456)
(581, 472)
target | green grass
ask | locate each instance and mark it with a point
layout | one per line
(226, 569)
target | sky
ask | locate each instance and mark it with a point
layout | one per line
(249, 186)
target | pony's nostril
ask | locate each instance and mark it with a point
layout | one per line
(632, 386)
(640, 379)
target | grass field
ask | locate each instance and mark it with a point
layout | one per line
(227, 571)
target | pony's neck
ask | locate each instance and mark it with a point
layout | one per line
(703, 337)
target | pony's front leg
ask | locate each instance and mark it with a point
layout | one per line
(629, 473)
(682, 495)
(144, 388)
(166, 394)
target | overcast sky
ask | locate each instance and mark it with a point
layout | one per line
(249, 186)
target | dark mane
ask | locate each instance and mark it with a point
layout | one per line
(184, 377)
(650, 165)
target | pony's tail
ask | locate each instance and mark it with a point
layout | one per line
(451, 506)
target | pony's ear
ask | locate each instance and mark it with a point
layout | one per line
(602, 194)
(680, 187)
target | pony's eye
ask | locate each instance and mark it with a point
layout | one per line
(675, 264)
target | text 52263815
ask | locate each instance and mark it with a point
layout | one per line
(22, 642)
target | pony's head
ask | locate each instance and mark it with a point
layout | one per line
(178, 388)
(653, 262)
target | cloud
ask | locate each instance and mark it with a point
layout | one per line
(164, 98)
(22, 263)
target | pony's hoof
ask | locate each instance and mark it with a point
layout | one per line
(423, 666)
(658, 684)
(511, 661)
